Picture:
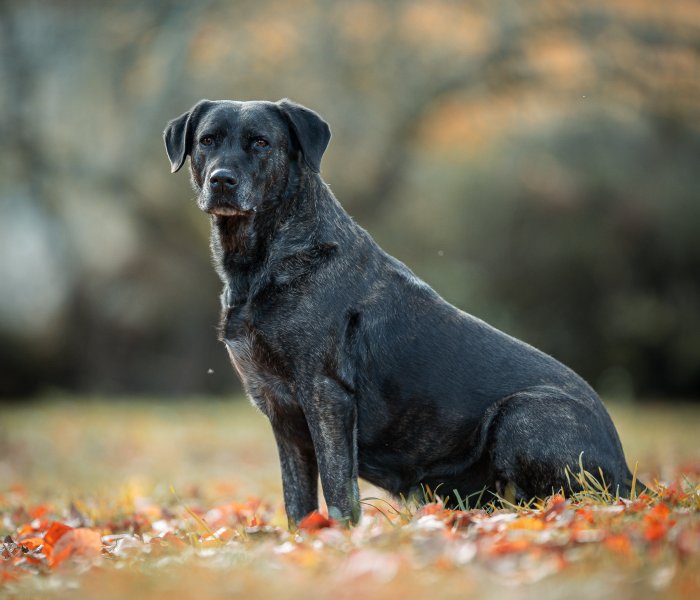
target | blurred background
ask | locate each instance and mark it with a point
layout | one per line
(538, 163)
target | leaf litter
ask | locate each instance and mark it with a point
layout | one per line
(655, 537)
(103, 528)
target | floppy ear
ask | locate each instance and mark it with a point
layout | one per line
(178, 136)
(311, 131)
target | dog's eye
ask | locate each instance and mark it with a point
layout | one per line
(206, 140)
(261, 143)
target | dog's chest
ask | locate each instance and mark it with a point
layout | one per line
(262, 368)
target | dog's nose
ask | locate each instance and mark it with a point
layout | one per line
(222, 179)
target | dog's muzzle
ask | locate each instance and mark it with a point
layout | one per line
(220, 195)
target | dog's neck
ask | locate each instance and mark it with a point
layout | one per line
(247, 249)
(240, 246)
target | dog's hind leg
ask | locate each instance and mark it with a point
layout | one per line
(535, 435)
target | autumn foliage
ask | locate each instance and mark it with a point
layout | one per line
(657, 530)
(161, 500)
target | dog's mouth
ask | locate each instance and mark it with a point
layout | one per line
(226, 205)
(228, 211)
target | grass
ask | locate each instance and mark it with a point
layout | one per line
(186, 498)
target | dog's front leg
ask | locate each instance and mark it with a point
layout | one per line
(332, 419)
(299, 477)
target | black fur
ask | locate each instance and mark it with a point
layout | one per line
(362, 368)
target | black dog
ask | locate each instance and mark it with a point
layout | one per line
(362, 368)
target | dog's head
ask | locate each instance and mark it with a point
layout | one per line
(242, 154)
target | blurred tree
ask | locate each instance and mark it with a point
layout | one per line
(536, 161)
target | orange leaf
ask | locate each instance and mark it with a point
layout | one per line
(586, 514)
(618, 543)
(430, 509)
(506, 546)
(555, 506)
(655, 532)
(657, 523)
(25, 529)
(555, 500)
(54, 533)
(660, 512)
(31, 543)
(529, 523)
(315, 520)
(81, 542)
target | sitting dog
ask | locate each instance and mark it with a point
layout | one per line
(361, 367)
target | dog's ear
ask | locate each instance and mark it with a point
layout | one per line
(311, 131)
(178, 135)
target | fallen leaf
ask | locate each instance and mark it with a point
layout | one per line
(315, 520)
(556, 506)
(657, 523)
(54, 533)
(431, 509)
(508, 546)
(80, 543)
(618, 543)
(529, 523)
(585, 514)
(31, 543)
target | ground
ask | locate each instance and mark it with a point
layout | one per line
(180, 499)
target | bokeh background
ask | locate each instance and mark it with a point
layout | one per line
(537, 162)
